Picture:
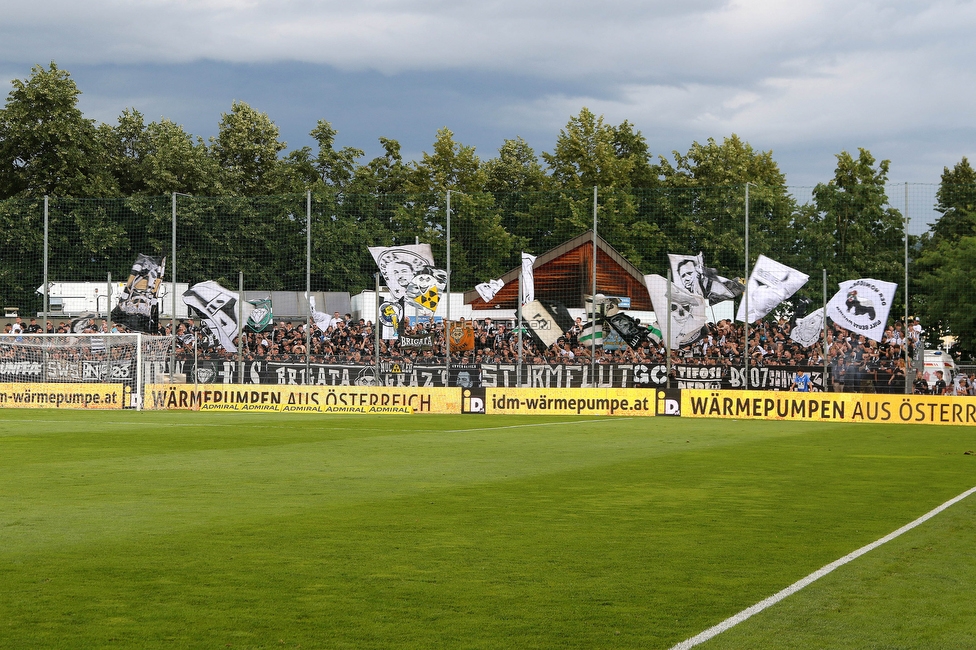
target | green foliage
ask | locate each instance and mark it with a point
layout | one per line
(247, 148)
(46, 144)
(864, 235)
(944, 268)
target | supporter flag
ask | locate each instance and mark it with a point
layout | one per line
(462, 336)
(862, 306)
(591, 335)
(260, 318)
(400, 264)
(770, 283)
(425, 288)
(528, 279)
(487, 290)
(808, 329)
(321, 319)
(138, 306)
(690, 273)
(85, 321)
(654, 333)
(217, 308)
(687, 310)
(547, 321)
(628, 328)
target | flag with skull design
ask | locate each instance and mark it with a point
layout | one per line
(686, 309)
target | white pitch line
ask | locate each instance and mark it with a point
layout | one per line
(541, 424)
(813, 577)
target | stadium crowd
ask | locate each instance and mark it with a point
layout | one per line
(856, 364)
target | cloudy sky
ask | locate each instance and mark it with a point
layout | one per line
(805, 78)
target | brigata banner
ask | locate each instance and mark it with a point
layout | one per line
(303, 399)
(64, 396)
(828, 407)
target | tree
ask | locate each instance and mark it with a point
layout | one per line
(956, 201)
(159, 158)
(944, 269)
(46, 144)
(864, 235)
(247, 148)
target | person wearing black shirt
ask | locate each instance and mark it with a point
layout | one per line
(920, 386)
(940, 386)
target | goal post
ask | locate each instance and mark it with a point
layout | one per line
(125, 359)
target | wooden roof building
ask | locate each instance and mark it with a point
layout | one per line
(565, 274)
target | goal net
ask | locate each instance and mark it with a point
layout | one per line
(132, 360)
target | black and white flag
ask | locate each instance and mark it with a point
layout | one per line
(546, 320)
(770, 283)
(690, 273)
(629, 329)
(138, 306)
(487, 290)
(217, 309)
(862, 306)
(687, 310)
(809, 329)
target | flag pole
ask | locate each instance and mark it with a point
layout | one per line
(593, 300)
(667, 342)
(518, 302)
(447, 320)
(826, 349)
(308, 286)
(908, 384)
(240, 329)
(745, 298)
(376, 329)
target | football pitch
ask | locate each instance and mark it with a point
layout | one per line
(214, 530)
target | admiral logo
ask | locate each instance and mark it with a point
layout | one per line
(667, 403)
(473, 401)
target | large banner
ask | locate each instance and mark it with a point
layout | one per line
(303, 399)
(492, 375)
(63, 396)
(69, 371)
(828, 407)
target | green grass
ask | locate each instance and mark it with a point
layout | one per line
(208, 530)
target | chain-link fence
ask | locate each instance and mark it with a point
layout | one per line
(313, 263)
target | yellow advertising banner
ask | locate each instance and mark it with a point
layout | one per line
(828, 407)
(63, 396)
(574, 401)
(303, 399)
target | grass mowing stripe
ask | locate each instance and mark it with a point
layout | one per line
(745, 614)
